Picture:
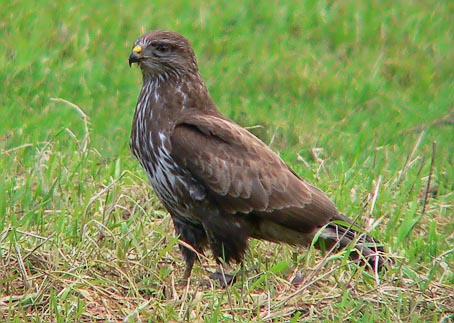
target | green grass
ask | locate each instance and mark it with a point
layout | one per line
(358, 97)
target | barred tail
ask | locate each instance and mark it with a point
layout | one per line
(339, 234)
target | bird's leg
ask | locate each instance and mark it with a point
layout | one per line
(189, 258)
(193, 240)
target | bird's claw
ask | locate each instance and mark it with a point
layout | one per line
(223, 278)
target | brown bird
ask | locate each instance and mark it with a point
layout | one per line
(220, 183)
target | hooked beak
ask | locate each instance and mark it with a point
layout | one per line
(133, 58)
(135, 55)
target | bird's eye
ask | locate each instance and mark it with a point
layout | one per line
(162, 48)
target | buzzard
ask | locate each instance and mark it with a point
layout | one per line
(220, 183)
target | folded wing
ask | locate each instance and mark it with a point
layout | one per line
(243, 175)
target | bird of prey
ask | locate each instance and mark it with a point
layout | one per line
(220, 183)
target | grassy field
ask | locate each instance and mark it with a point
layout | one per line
(357, 96)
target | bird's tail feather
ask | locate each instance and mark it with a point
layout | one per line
(340, 234)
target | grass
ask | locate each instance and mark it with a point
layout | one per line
(358, 97)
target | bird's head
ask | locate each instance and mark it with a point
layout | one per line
(163, 54)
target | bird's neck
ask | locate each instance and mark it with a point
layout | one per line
(171, 97)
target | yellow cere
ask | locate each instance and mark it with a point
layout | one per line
(137, 49)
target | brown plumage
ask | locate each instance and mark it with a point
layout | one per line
(220, 183)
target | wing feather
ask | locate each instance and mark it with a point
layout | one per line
(234, 164)
(243, 175)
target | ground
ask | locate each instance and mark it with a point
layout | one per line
(357, 97)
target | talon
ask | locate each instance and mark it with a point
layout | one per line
(223, 279)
